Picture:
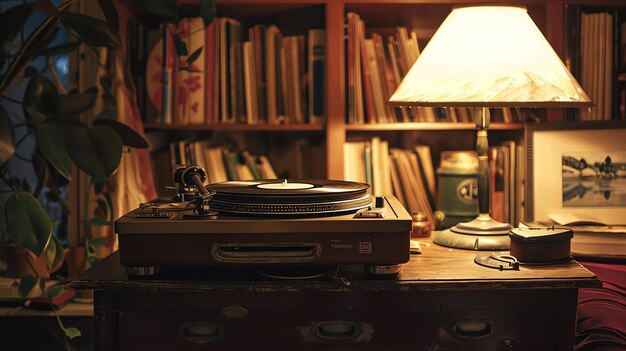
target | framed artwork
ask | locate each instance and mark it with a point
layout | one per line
(576, 171)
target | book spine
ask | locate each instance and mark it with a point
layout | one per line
(167, 79)
(317, 58)
(196, 75)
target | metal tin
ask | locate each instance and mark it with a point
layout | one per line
(541, 245)
(458, 194)
(421, 226)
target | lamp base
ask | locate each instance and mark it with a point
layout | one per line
(482, 233)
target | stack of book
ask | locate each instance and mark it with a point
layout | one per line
(410, 176)
(406, 174)
(374, 69)
(239, 76)
(220, 162)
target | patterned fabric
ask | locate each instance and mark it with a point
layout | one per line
(601, 318)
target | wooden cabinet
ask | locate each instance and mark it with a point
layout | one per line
(440, 300)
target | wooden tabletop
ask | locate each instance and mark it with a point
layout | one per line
(437, 268)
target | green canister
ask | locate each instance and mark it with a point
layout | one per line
(458, 188)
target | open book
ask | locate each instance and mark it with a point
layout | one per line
(570, 219)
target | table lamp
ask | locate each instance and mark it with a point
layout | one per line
(487, 56)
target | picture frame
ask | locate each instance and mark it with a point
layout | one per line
(555, 152)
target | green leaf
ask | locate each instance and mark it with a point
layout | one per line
(27, 284)
(128, 135)
(110, 13)
(207, 11)
(99, 221)
(28, 224)
(179, 45)
(98, 185)
(194, 56)
(40, 95)
(103, 207)
(11, 23)
(54, 291)
(163, 10)
(91, 30)
(96, 150)
(54, 252)
(73, 104)
(7, 138)
(62, 49)
(50, 136)
(72, 332)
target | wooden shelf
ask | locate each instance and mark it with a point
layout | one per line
(237, 127)
(422, 16)
(418, 126)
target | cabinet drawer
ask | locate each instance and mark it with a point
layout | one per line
(347, 321)
(203, 330)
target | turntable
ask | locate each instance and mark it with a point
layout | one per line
(265, 222)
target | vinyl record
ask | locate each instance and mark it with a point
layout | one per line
(289, 197)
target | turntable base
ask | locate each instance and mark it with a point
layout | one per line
(236, 239)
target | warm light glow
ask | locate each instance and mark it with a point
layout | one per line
(489, 56)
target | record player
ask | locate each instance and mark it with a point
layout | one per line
(264, 222)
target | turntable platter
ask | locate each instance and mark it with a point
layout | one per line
(289, 197)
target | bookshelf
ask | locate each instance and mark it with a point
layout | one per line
(423, 16)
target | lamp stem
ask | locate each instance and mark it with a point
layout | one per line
(482, 149)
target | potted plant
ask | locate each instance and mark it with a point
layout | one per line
(51, 117)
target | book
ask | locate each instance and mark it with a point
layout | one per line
(212, 76)
(195, 82)
(231, 75)
(569, 219)
(252, 113)
(272, 65)
(316, 75)
(168, 75)
(428, 170)
(257, 37)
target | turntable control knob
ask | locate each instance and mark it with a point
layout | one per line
(380, 202)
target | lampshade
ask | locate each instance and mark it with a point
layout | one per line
(489, 56)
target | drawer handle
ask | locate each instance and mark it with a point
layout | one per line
(473, 329)
(263, 253)
(337, 331)
(201, 332)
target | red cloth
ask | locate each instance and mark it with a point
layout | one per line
(601, 318)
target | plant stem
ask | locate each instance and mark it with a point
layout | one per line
(52, 306)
